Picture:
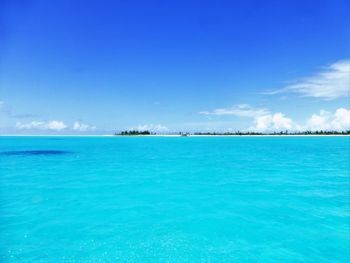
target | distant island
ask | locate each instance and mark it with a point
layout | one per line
(133, 133)
(237, 133)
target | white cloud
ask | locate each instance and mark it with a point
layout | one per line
(281, 122)
(331, 83)
(262, 123)
(56, 125)
(273, 122)
(319, 121)
(339, 121)
(32, 125)
(326, 121)
(151, 127)
(42, 125)
(242, 110)
(266, 121)
(78, 126)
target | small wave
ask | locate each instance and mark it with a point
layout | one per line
(36, 152)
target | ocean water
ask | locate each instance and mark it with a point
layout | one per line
(175, 199)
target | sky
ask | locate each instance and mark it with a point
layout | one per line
(96, 67)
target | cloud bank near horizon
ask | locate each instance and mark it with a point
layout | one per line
(42, 125)
(266, 121)
(151, 127)
(263, 120)
(54, 125)
(79, 126)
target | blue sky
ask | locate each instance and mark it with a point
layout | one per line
(99, 66)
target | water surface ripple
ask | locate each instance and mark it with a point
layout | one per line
(181, 199)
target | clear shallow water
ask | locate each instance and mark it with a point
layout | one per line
(183, 199)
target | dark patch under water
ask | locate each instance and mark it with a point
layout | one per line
(35, 152)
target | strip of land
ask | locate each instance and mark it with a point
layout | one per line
(238, 133)
(195, 134)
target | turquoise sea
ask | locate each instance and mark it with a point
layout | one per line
(175, 199)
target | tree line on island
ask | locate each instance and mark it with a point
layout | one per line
(134, 132)
(321, 132)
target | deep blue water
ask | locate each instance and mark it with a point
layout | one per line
(175, 199)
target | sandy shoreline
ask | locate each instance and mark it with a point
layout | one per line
(173, 135)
